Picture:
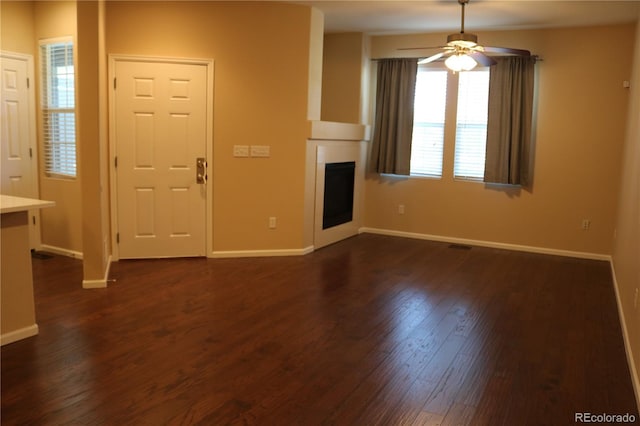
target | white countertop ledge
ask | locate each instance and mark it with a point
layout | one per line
(11, 204)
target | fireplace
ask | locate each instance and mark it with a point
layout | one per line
(334, 182)
(338, 178)
(338, 193)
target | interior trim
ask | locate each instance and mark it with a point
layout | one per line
(19, 334)
(491, 244)
(61, 251)
(635, 379)
(222, 254)
(101, 283)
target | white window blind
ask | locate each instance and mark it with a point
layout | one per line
(428, 122)
(471, 127)
(58, 107)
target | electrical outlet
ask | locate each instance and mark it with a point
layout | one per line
(400, 208)
(272, 222)
(586, 223)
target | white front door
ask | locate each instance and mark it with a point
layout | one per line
(18, 168)
(161, 132)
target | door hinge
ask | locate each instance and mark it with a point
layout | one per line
(28, 83)
(117, 238)
(33, 219)
(115, 84)
(115, 162)
(30, 152)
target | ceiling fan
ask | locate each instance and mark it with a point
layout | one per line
(464, 52)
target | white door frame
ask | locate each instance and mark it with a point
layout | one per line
(113, 60)
(35, 232)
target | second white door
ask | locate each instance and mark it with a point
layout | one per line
(161, 134)
(18, 174)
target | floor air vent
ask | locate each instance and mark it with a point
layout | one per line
(459, 247)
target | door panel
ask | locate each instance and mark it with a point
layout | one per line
(160, 115)
(16, 161)
(18, 174)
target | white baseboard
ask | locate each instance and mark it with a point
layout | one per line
(490, 244)
(261, 253)
(635, 379)
(61, 251)
(21, 333)
(101, 283)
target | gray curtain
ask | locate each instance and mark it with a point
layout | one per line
(509, 121)
(391, 150)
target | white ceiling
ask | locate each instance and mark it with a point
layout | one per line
(420, 16)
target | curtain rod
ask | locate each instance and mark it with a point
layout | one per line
(536, 57)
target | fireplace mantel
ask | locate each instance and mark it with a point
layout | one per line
(332, 130)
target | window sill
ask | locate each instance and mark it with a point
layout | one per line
(55, 176)
(430, 177)
(468, 179)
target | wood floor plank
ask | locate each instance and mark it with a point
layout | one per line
(371, 330)
(459, 414)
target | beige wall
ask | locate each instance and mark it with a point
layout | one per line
(342, 77)
(626, 248)
(316, 45)
(581, 121)
(17, 27)
(93, 142)
(261, 54)
(17, 310)
(62, 225)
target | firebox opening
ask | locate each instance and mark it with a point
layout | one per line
(338, 194)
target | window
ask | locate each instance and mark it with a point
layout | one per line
(58, 107)
(430, 103)
(471, 124)
(431, 106)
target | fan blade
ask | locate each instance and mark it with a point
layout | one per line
(508, 50)
(431, 58)
(422, 48)
(482, 59)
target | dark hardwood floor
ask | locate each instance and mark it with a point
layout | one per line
(372, 330)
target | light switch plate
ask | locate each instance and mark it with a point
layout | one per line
(241, 150)
(260, 151)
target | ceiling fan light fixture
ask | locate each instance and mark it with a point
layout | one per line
(460, 62)
(464, 52)
(461, 39)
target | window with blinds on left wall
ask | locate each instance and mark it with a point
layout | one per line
(58, 107)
